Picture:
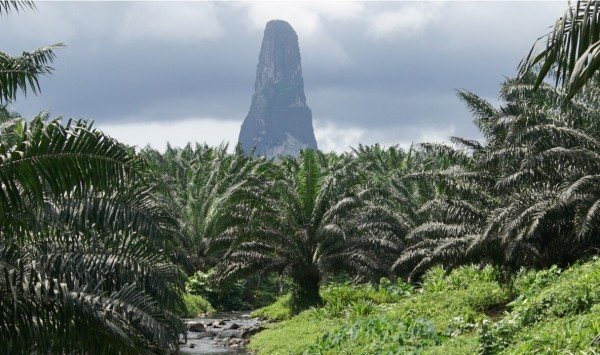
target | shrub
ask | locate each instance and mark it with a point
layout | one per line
(546, 297)
(230, 296)
(573, 334)
(194, 305)
(437, 279)
(361, 308)
(376, 335)
(387, 292)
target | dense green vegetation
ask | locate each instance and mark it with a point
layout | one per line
(465, 311)
(85, 245)
(485, 247)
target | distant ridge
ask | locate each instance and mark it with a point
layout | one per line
(279, 121)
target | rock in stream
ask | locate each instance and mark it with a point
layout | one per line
(220, 333)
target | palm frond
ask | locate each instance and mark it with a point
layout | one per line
(23, 73)
(16, 5)
(571, 48)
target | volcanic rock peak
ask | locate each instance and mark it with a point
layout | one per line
(279, 122)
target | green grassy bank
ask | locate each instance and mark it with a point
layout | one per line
(465, 312)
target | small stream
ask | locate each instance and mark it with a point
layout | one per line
(220, 333)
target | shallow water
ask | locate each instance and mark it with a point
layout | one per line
(218, 344)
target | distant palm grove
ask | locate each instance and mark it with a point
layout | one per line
(99, 242)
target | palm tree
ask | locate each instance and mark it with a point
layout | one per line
(572, 49)
(84, 238)
(200, 180)
(23, 72)
(454, 215)
(525, 197)
(84, 246)
(309, 222)
(547, 218)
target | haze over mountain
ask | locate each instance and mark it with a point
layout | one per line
(279, 121)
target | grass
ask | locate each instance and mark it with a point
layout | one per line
(291, 336)
(463, 312)
(280, 310)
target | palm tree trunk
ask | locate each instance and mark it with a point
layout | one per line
(306, 295)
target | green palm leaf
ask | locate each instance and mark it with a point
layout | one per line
(23, 73)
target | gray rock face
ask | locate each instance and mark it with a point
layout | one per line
(279, 121)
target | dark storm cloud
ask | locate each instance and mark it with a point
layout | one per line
(386, 67)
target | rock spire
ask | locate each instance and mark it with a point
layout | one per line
(279, 121)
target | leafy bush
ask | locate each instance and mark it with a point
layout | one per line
(194, 305)
(459, 312)
(387, 292)
(546, 297)
(377, 335)
(333, 308)
(231, 296)
(201, 283)
(437, 279)
(494, 337)
(443, 307)
(398, 288)
(361, 308)
(573, 334)
(531, 282)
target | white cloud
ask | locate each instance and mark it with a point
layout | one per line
(170, 21)
(306, 17)
(331, 137)
(404, 22)
(305, 22)
(178, 134)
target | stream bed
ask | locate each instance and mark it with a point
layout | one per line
(220, 333)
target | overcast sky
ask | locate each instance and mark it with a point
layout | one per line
(387, 72)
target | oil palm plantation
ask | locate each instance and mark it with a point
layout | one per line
(310, 221)
(199, 181)
(84, 245)
(452, 218)
(548, 218)
(84, 240)
(524, 197)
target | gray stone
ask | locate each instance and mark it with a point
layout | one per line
(250, 332)
(226, 333)
(279, 121)
(196, 326)
(203, 335)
